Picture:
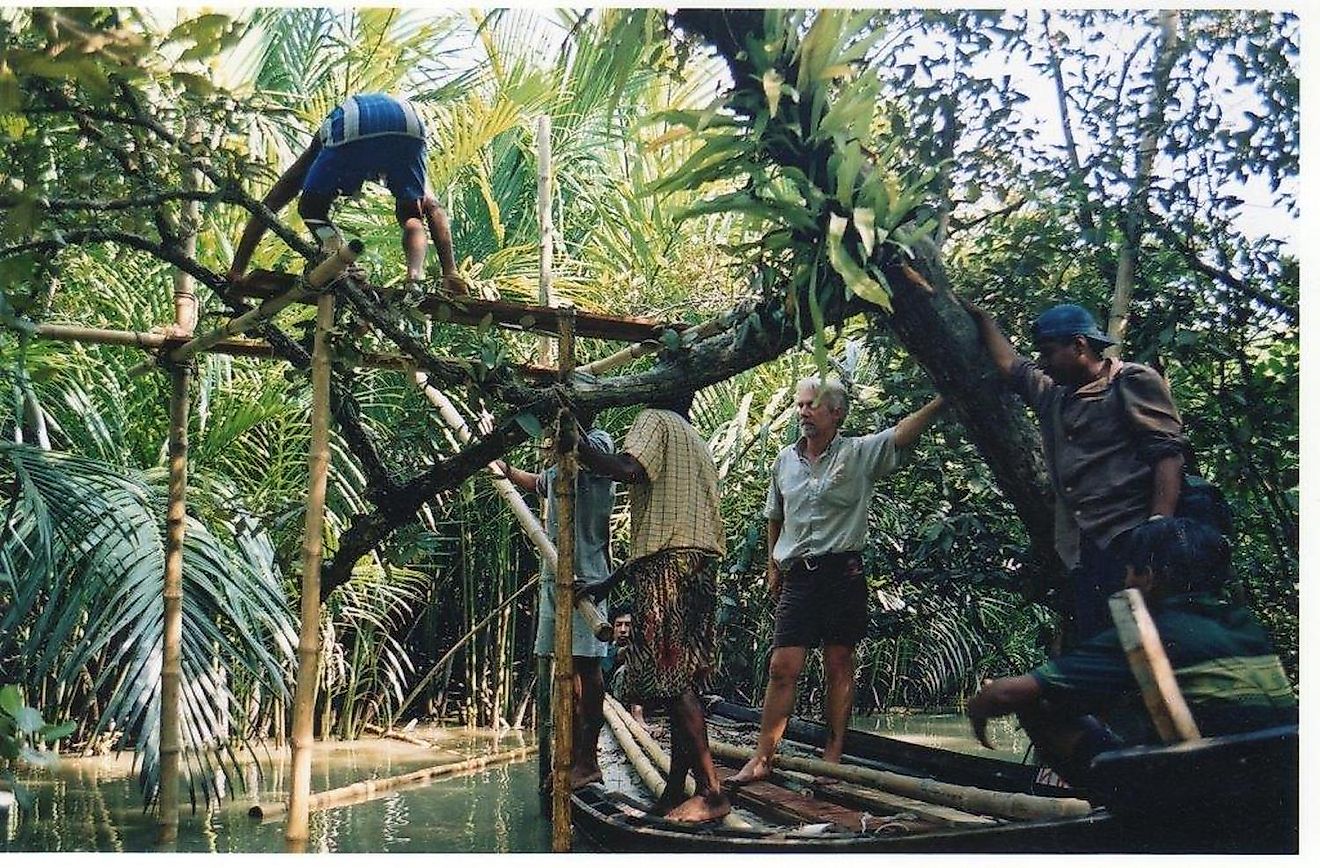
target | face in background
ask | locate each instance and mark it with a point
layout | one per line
(622, 629)
(817, 418)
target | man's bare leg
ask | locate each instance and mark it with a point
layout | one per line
(589, 717)
(687, 722)
(839, 690)
(780, 694)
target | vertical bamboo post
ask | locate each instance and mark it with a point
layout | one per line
(565, 488)
(543, 748)
(543, 214)
(176, 519)
(309, 637)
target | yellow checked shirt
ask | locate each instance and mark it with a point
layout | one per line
(678, 506)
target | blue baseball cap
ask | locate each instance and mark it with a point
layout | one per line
(1066, 321)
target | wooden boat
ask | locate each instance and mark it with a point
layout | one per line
(1191, 789)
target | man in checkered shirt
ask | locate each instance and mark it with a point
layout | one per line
(677, 540)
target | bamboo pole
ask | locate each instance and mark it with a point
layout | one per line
(543, 725)
(641, 763)
(619, 717)
(1151, 668)
(565, 488)
(546, 225)
(309, 638)
(1017, 806)
(365, 791)
(530, 524)
(322, 274)
(176, 520)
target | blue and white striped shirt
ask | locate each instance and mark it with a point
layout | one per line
(367, 115)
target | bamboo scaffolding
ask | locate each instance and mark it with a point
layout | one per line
(530, 524)
(309, 638)
(365, 791)
(546, 225)
(1015, 806)
(176, 520)
(565, 489)
(645, 348)
(322, 274)
(618, 716)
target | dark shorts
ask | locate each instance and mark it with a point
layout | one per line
(1099, 573)
(827, 605)
(673, 642)
(399, 160)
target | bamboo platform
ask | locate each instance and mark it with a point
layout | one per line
(262, 285)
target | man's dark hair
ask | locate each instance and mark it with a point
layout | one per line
(680, 403)
(620, 609)
(1184, 555)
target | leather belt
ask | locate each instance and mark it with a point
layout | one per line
(811, 563)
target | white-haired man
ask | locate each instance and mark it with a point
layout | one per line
(820, 490)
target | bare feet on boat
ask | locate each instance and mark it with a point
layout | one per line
(757, 769)
(700, 809)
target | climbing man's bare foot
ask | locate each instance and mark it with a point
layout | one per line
(757, 769)
(699, 809)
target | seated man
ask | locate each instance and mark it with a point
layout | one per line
(1087, 700)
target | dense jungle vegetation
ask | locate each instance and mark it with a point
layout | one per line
(783, 180)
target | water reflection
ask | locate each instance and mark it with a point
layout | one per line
(950, 732)
(95, 805)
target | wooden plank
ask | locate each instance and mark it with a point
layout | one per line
(1150, 666)
(471, 311)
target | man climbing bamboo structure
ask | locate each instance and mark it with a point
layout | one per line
(1088, 701)
(594, 500)
(677, 538)
(1113, 446)
(817, 509)
(369, 137)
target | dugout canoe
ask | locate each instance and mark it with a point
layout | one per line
(1193, 789)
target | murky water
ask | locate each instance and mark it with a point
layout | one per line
(950, 732)
(94, 804)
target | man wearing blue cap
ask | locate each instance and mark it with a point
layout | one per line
(1113, 445)
(369, 137)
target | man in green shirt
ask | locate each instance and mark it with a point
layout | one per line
(1087, 701)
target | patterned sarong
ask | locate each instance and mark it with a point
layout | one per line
(673, 644)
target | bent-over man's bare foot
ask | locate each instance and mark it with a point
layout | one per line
(757, 769)
(699, 809)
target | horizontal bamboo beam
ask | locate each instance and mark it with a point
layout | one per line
(365, 791)
(1016, 806)
(645, 348)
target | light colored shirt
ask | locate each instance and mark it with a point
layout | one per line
(591, 514)
(678, 507)
(823, 505)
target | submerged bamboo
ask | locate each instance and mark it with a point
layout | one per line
(365, 791)
(1016, 806)
(565, 488)
(309, 637)
(176, 519)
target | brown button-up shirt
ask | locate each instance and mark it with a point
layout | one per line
(1101, 441)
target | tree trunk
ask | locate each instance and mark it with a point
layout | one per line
(943, 339)
(1134, 220)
